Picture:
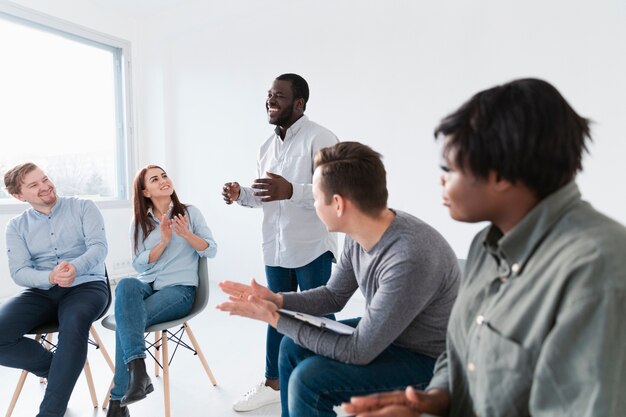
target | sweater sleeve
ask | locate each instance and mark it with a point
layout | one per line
(400, 282)
(387, 315)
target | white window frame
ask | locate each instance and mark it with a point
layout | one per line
(121, 49)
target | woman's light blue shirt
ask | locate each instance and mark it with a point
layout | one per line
(178, 265)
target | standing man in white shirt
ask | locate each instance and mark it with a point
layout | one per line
(297, 248)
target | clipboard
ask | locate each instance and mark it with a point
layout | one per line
(321, 322)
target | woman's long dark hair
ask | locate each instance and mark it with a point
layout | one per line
(142, 203)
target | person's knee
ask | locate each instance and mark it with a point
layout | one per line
(7, 339)
(287, 345)
(312, 372)
(11, 325)
(76, 319)
(127, 286)
(77, 324)
(307, 384)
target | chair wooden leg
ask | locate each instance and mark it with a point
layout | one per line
(16, 394)
(48, 341)
(86, 368)
(102, 349)
(157, 353)
(19, 386)
(107, 359)
(107, 397)
(196, 347)
(166, 373)
(92, 388)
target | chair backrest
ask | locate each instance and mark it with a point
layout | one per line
(201, 301)
(202, 292)
(106, 307)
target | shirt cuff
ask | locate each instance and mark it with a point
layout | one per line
(440, 381)
(142, 261)
(298, 192)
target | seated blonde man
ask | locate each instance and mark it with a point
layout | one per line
(56, 249)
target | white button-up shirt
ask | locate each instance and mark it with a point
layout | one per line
(293, 235)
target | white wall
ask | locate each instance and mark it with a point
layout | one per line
(381, 72)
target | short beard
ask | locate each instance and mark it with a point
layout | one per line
(285, 117)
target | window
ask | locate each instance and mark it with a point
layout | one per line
(64, 104)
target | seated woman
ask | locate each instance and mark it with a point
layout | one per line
(168, 238)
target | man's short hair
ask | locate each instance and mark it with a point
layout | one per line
(356, 172)
(524, 130)
(299, 86)
(14, 177)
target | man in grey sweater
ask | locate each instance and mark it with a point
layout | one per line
(406, 271)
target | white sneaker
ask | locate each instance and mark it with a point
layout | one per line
(259, 396)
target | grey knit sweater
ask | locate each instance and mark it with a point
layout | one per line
(410, 279)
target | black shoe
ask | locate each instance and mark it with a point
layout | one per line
(139, 384)
(116, 410)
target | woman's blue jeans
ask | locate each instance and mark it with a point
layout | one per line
(316, 383)
(311, 275)
(138, 306)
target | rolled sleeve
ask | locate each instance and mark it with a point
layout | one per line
(21, 266)
(200, 228)
(141, 262)
(247, 198)
(302, 195)
(441, 377)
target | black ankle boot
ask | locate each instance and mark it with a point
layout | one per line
(116, 410)
(139, 384)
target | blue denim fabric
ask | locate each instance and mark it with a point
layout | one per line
(311, 275)
(138, 306)
(315, 383)
(75, 308)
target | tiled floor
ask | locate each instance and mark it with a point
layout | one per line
(234, 348)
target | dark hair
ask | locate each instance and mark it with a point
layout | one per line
(524, 131)
(142, 203)
(14, 177)
(299, 86)
(354, 171)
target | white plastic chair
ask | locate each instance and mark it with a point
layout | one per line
(163, 334)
